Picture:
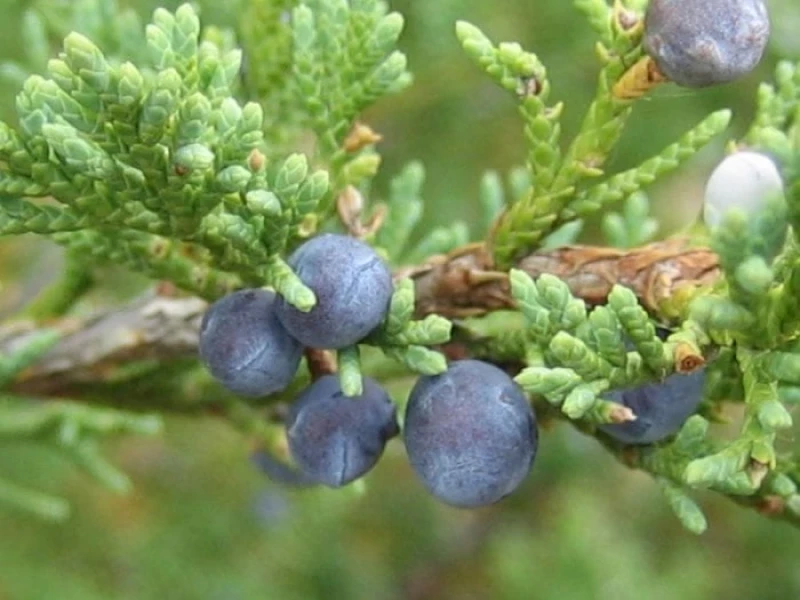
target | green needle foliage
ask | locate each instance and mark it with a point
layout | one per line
(202, 156)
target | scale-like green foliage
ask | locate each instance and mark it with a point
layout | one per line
(148, 157)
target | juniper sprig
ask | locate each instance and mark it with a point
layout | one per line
(210, 160)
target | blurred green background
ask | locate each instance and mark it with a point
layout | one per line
(202, 523)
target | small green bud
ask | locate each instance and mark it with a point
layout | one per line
(262, 202)
(754, 275)
(388, 30)
(194, 157)
(364, 166)
(131, 84)
(391, 69)
(773, 416)
(578, 402)
(292, 173)
(234, 178)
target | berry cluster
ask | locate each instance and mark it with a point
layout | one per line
(251, 340)
(470, 432)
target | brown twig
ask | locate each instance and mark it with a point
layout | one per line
(320, 362)
(150, 327)
(461, 283)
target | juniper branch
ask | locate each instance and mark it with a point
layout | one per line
(165, 328)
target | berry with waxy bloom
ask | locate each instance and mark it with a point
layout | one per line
(470, 434)
(698, 43)
(743, 180)
(335, 439)
(245, 347)
(660, 408)
(353, 287)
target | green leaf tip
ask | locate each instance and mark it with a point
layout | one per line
(350, 377)
(686, 509)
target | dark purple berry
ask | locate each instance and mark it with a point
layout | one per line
(353, 287)
(697, 43)
(470, 434)
(660, 408)
(244, 345)
(335, 439)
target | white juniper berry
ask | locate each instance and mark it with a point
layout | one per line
(744, 181)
